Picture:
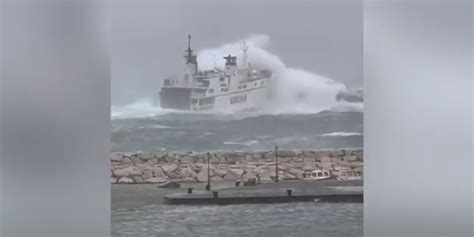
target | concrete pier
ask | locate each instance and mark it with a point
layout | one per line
(281, 192)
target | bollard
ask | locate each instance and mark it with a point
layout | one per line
(237, 184)
(215, 194)
(190, 190)
(288, 192)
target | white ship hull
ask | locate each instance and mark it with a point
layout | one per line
(245, 100)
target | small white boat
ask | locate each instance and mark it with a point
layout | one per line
(317, 175)
(350, 175)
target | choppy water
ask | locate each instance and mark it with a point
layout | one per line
(200, 132)
(137, 211)
(290, 219)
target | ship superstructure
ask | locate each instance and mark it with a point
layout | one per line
(233, 88)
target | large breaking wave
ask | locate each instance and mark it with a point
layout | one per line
(294, 90)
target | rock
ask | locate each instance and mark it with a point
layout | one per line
(152, 162)
(148, 174)
(214, 160)
(231, 176)
(308, 159)
(160, 155)
(307, 153)
(269, 155)
(198, 156)
(158, 172)
(260, 170)
(356, 164)
(170, 158)
(170, 168)
(188, 172)
(326, 165)
(250, 168)
(264, 177)
(202, 176)
(299, 176)
(121, 166)
(230, 160)
(297, 172)
(156, 180)
(137, 179)
(186, 160)
(136, 160)
(336, 159)
(326, 159)
(337, 153)
(126, 160)
(283, 166)
(339, 168)
(288, 176)
(309, 167)
(125, 180)
(174, 176)
(146, 156)
(116, 156)
(350, 158)
(129, 171)
(249, 175)
(221, 172)
(238, 172)
(113, 180)
(257, 156)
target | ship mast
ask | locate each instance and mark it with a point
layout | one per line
(191, 59)
(244, 49)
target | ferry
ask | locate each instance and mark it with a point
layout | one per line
(233, 88)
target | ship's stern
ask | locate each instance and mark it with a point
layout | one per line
(175, 98)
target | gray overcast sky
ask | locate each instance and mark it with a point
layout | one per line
(148, 37)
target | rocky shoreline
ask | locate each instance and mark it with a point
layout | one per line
(161, 167)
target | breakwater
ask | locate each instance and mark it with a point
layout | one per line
(160, 167)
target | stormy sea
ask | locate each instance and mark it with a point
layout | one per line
(178, 131)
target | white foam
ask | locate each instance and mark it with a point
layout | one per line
(293, 90)
(341, 134)
(139, 109)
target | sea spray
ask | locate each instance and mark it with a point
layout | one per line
(138, 109)
(293, 90)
